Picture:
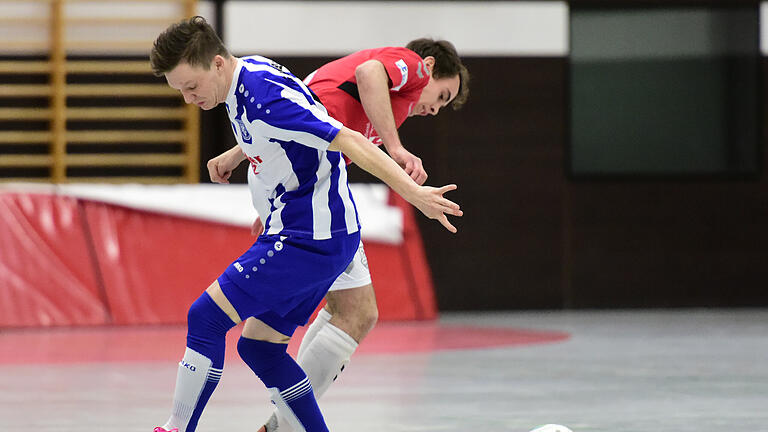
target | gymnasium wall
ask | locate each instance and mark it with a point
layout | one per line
(533, 236)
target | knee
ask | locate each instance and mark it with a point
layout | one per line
(260, 355)
(358, 321)
(368, 317)
(245, 350)
(197, 314)
(204, 316)
(362, 314)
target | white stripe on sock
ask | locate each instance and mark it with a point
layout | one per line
(298, 384)
(297, 392)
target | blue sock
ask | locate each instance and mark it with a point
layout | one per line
(200, 370)
(286, 380)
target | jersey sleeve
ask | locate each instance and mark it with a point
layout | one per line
(283, 110)
(405, 68)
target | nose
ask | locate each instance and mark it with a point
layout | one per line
(434, 109)
(187, 97)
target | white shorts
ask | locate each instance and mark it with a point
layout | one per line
(356, 275)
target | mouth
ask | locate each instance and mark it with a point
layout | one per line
(200, 104)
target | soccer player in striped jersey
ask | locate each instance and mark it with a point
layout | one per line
(373, 92)
(310, 236)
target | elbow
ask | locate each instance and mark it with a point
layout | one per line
(353, 137)
(369, 71)
(346, 140)
(361, 74)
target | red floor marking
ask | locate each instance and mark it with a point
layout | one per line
(128, 344)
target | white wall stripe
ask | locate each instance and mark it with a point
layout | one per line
(513, 28)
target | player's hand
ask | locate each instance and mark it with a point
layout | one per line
(410, 163)
(257, 228)
(431, 202)
(220, 169)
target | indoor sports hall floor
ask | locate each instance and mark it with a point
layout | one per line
(628, 371)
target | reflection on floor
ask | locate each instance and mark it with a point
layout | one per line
(681, 370)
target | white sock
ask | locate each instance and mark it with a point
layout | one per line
(320, 320)
(195, 371)
(326, 356)
(285, 419)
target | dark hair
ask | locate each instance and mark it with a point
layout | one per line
(192, 41)
(447, 64)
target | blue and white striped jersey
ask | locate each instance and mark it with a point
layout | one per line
(285, 135)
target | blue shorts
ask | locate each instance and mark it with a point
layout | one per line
(281, 280)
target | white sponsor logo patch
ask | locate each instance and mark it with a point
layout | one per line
(404, 72)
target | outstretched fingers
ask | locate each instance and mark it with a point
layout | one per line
(445, 202)
(447, 207)
(447, 188)
(453, 211)
(450, 205)
(444, 221)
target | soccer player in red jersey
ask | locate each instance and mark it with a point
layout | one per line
(373, 92)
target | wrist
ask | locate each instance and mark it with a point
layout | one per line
(236, 155)
(410, 191)
(393, 146)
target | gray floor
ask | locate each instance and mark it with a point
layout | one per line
(634, 371)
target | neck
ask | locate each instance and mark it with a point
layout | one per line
(229, 74)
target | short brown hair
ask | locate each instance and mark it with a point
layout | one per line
(192, 41)
(447, 64)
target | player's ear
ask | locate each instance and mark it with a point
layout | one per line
(429, 62)
(218, 62)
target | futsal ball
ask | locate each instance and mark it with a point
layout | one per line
(552, 428)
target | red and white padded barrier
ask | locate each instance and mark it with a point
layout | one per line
(96, 254)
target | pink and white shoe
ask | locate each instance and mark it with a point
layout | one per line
(160, 429)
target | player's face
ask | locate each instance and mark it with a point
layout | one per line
(205, 88)
(437, 94)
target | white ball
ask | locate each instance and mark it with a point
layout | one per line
(552, 428)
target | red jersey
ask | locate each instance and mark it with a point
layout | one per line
(336, 86)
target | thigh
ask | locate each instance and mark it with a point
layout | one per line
(257, 329)
(221, 300)
(351, 301)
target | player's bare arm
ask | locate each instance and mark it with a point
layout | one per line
(220, 168)
(369, 157)
(373, 85)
